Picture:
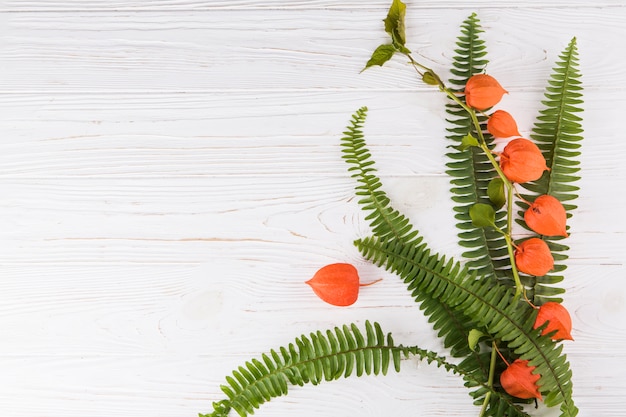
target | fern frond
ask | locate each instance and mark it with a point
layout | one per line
(470, 169)
(387, 223)
(557, 132)
(328, 356)
(490, 307)
(453, 326)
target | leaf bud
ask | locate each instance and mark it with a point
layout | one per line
(546, 216)
(558, 319)
(533, 257)
(519, 381)
(522, 161)
(430, 78)
(483, 91)
(502, 125)
(495, 192)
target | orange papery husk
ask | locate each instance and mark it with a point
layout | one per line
(337, 284)
(502, 125)
(533, 257)
(522, 161)
(483, 91)
(546, 216)
(519, 381)
(558, 319)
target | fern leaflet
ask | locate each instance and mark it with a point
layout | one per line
(557, 132)
(338, 353)
(389, 225)
(470, 169)
(491, 307)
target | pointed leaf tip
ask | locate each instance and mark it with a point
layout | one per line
(394, 22)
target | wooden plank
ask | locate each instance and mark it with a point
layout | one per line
(171, 174)
(235, 50)
(270, 134)
(200, 5)
(288, 220)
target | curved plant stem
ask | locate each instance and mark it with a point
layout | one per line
(482, 143)
(492, 372)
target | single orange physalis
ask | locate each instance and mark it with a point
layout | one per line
(502, 125)
(546, 216)
(533, 257)
(558, 319)
(337, 284)
(522, 161)
(519, 381)
(483, 91)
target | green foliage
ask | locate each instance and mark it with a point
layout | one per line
(471, 304)
(453, 324)
(469, 168)
(328, 356)
(394, 23)
(482, 215)
(490, 307)
(389, 224)
(557, 133)
(394, 26)
(444, 286)
(381, 55)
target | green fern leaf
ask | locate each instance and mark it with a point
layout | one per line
(491, 307)
(328, 356)
(388, 223)
(453, 326)
(470, 168)
(385, 222)
(557, 132)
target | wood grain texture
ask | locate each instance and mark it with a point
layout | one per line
(171, 173)
(200, 5)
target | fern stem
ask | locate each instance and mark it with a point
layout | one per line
(519, 288)
(492, 373)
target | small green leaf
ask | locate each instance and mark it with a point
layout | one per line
(467, 142)
(394, 24)
(381, 55)
(482, 215)
(431, 78)
(495, 191)
(473, 337)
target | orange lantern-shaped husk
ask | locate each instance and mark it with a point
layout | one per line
(502, 125)
(519, 381)
(546, 216)
(533, 257)
(522, 161)
(558, 319)
(483, 91)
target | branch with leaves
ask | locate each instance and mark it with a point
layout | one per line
(498, 309)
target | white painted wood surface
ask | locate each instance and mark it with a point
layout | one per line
(170, 175)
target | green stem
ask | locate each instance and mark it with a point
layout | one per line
(492, 372)
(519, 288)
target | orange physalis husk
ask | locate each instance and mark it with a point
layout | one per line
(483, 91)
(522, 161)
(502, 125)
(546, 216)
(337, 284)
(519, 381)
(558, 319)
(533, 257)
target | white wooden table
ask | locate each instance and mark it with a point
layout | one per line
(170, 174)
